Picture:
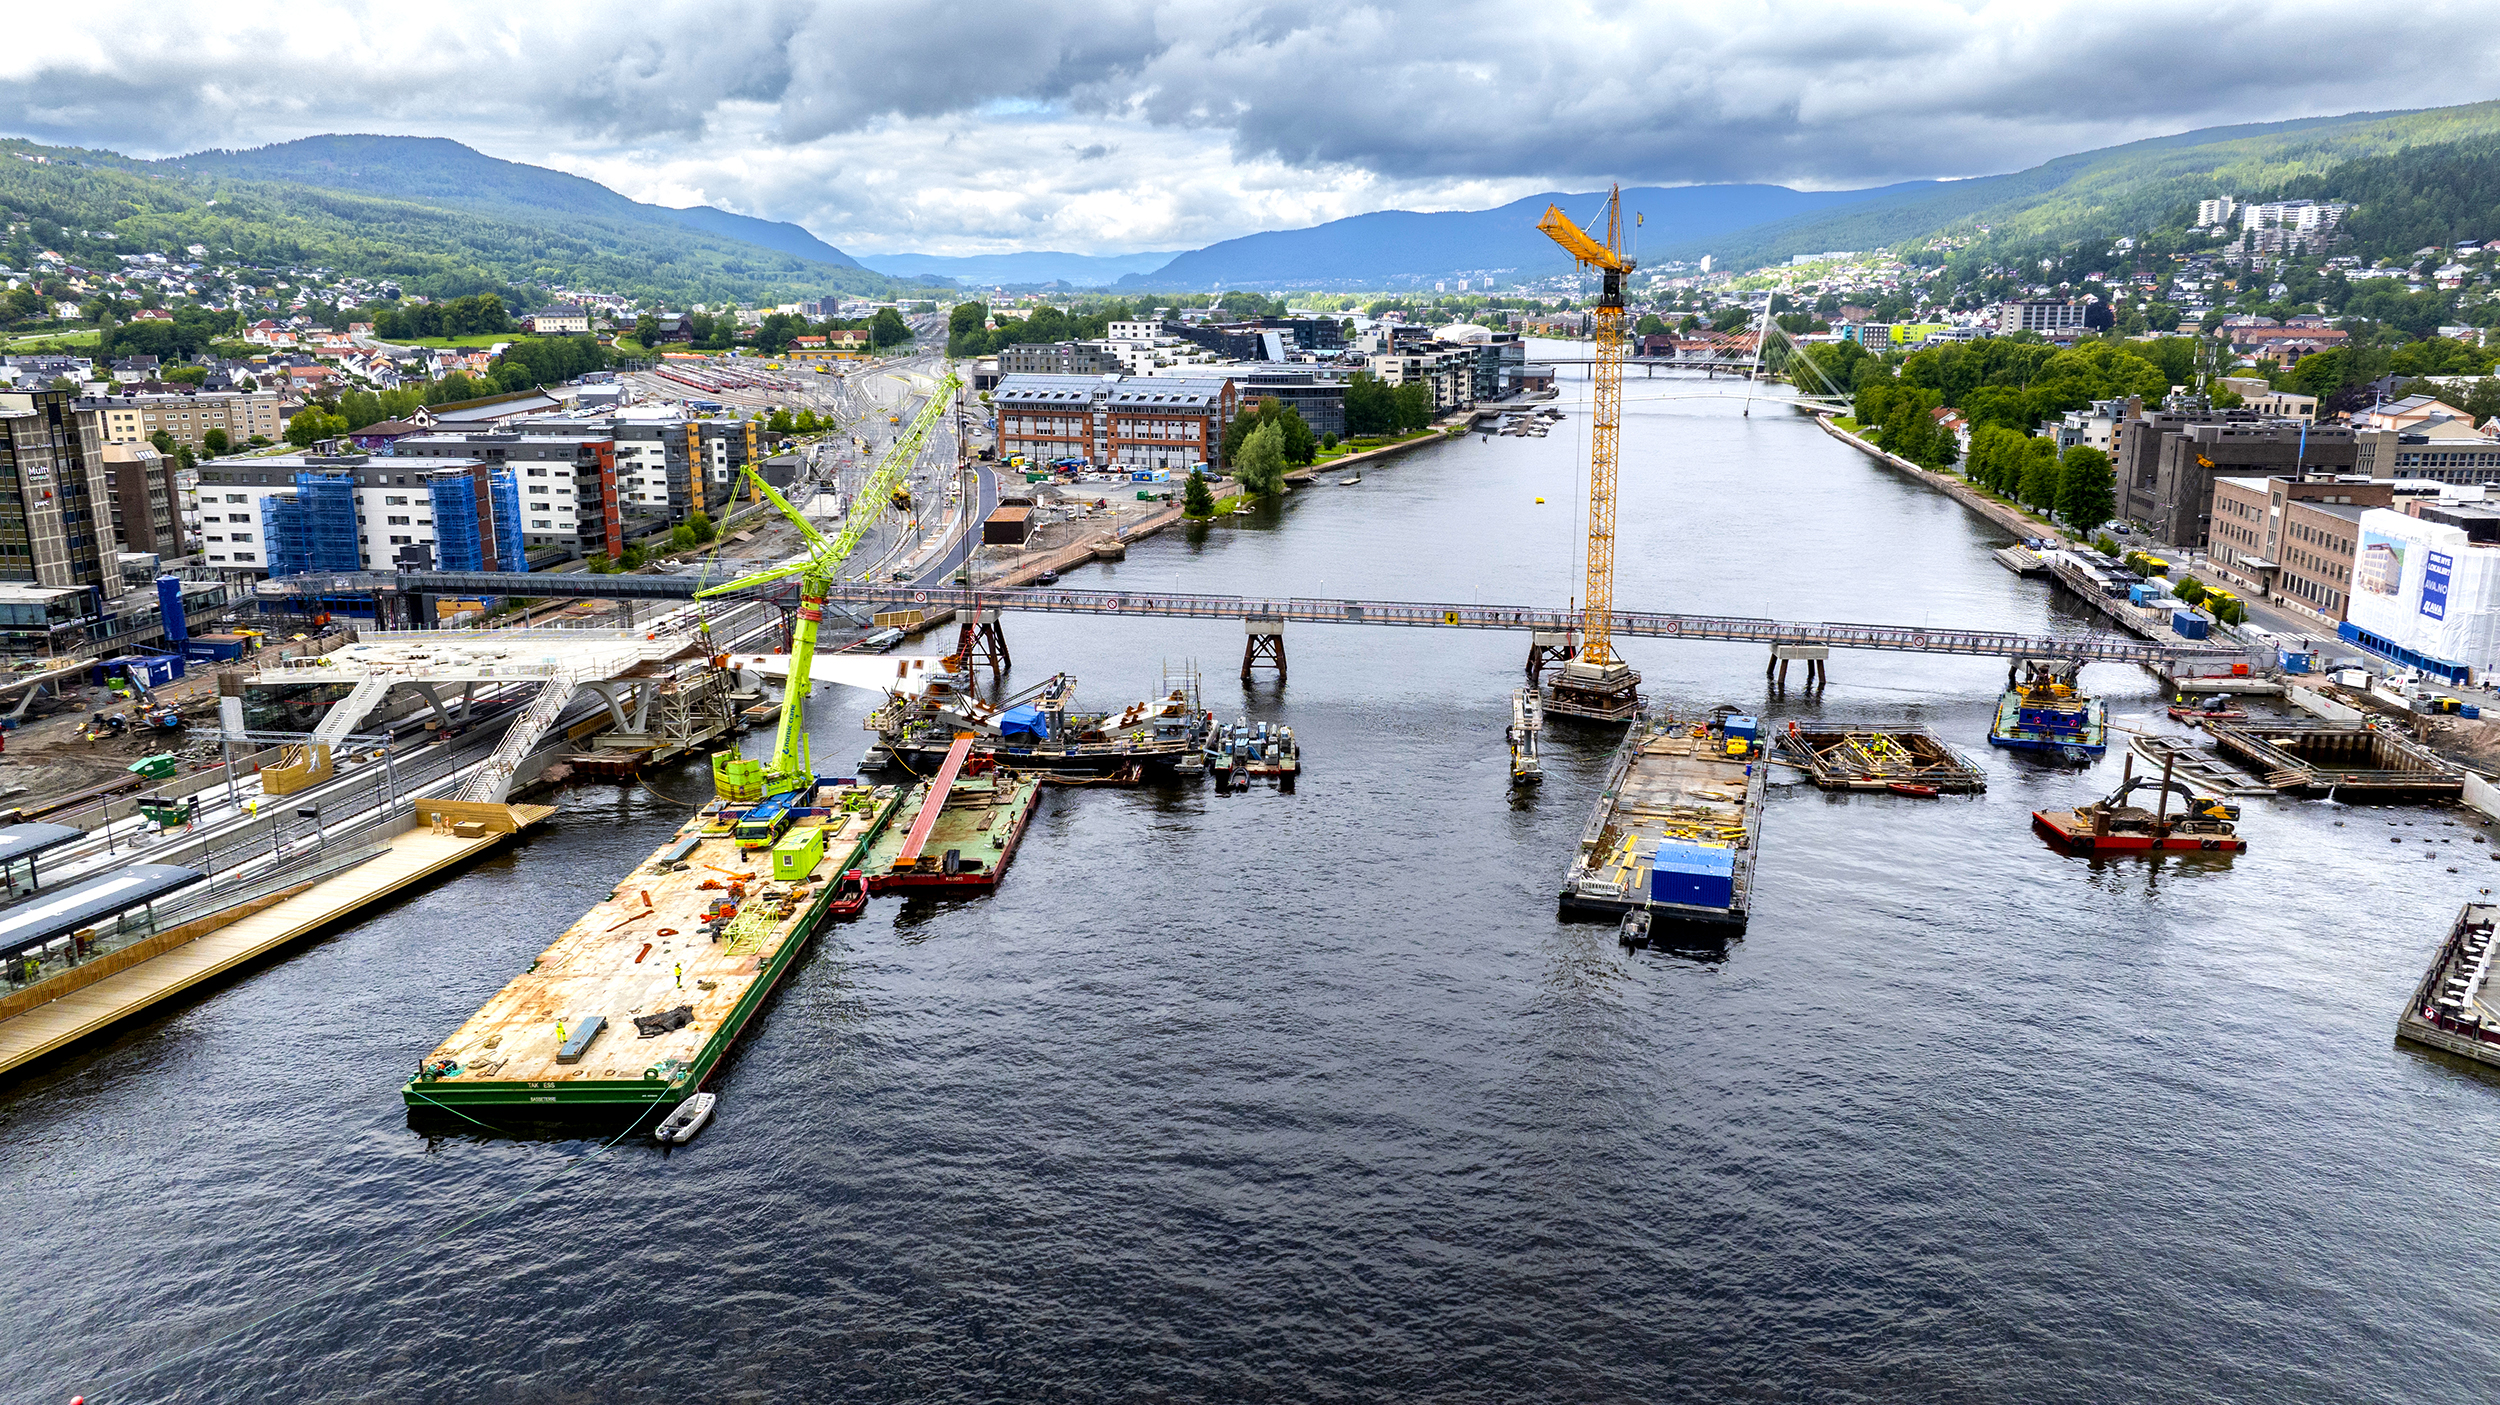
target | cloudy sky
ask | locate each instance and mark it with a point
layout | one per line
(1111, 126)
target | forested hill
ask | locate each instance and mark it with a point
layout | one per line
(2114, 191)
(1390, 247)
(444, 172)
(527, 226)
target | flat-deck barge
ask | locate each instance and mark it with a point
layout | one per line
(2454, 1008)
(957, 831)
(1674, 830)
(628, 1012)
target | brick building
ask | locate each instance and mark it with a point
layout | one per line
(2293, 539)
(147, 505)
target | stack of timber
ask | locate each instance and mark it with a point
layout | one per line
(629, 1011)
(1879, 758)
(1673, 832)
(2452, 1008)
(2353, 761)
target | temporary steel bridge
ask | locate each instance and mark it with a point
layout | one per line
(1643, 624)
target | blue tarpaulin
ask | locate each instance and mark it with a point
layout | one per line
(1024, 723)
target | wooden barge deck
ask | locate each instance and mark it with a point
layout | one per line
(2454, 1009)
(1876, 757)
(2354, 761)
(628, 1011)
(1673, 785)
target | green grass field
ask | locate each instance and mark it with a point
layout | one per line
(482, 339)
(40, 342)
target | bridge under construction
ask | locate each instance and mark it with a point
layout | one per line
(1549, 623)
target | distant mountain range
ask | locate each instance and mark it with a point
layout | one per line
(1019, 270)
(2091, 194)
(1389, 247)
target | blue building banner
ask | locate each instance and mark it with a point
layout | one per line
(2435, 569)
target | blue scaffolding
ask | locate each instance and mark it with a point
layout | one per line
(456, 544)
(313, 528)
(506, 491)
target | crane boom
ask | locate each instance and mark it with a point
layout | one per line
(1596, 683)
(792, 767)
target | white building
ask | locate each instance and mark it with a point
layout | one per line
(2038, 315)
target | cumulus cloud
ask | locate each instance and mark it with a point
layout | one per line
(1122, 124)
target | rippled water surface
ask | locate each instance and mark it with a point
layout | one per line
(1311, 1098)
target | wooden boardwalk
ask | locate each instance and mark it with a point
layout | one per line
(415, 855)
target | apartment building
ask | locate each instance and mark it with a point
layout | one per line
(137, 419)
(2293, 539)
(1166, 422)
(292, 513)
(1448, 370)
(565, 475)
(2039, 315)
(1067, 358)
(147, 502)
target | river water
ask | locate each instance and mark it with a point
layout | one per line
(1312, 1098)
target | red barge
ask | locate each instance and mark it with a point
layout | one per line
(2201, 824)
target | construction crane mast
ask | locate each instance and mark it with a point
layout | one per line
(1595, 684)
(791, 767)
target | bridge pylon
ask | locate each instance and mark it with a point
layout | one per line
(1263, 645)
(981, 643)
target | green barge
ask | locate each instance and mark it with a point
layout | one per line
(628, 1012)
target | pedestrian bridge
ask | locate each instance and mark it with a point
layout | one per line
(1637, 624)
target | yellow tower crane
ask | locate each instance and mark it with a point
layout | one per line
(1596, 684)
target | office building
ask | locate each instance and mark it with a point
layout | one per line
(56, 500)
(2293, 539)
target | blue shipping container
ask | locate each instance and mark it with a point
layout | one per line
(1699, 875)
(2295, 661)
(2187, 624)
(1746, 727)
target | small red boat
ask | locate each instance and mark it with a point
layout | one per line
(850, 895)
(1923, 792)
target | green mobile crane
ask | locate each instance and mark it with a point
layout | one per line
(792, 769)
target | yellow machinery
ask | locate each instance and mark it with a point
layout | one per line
(1596, 684)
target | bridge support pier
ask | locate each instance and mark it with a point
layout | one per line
(1815, 657)
(981, 643)
(1263, 644)
(1549, 646)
